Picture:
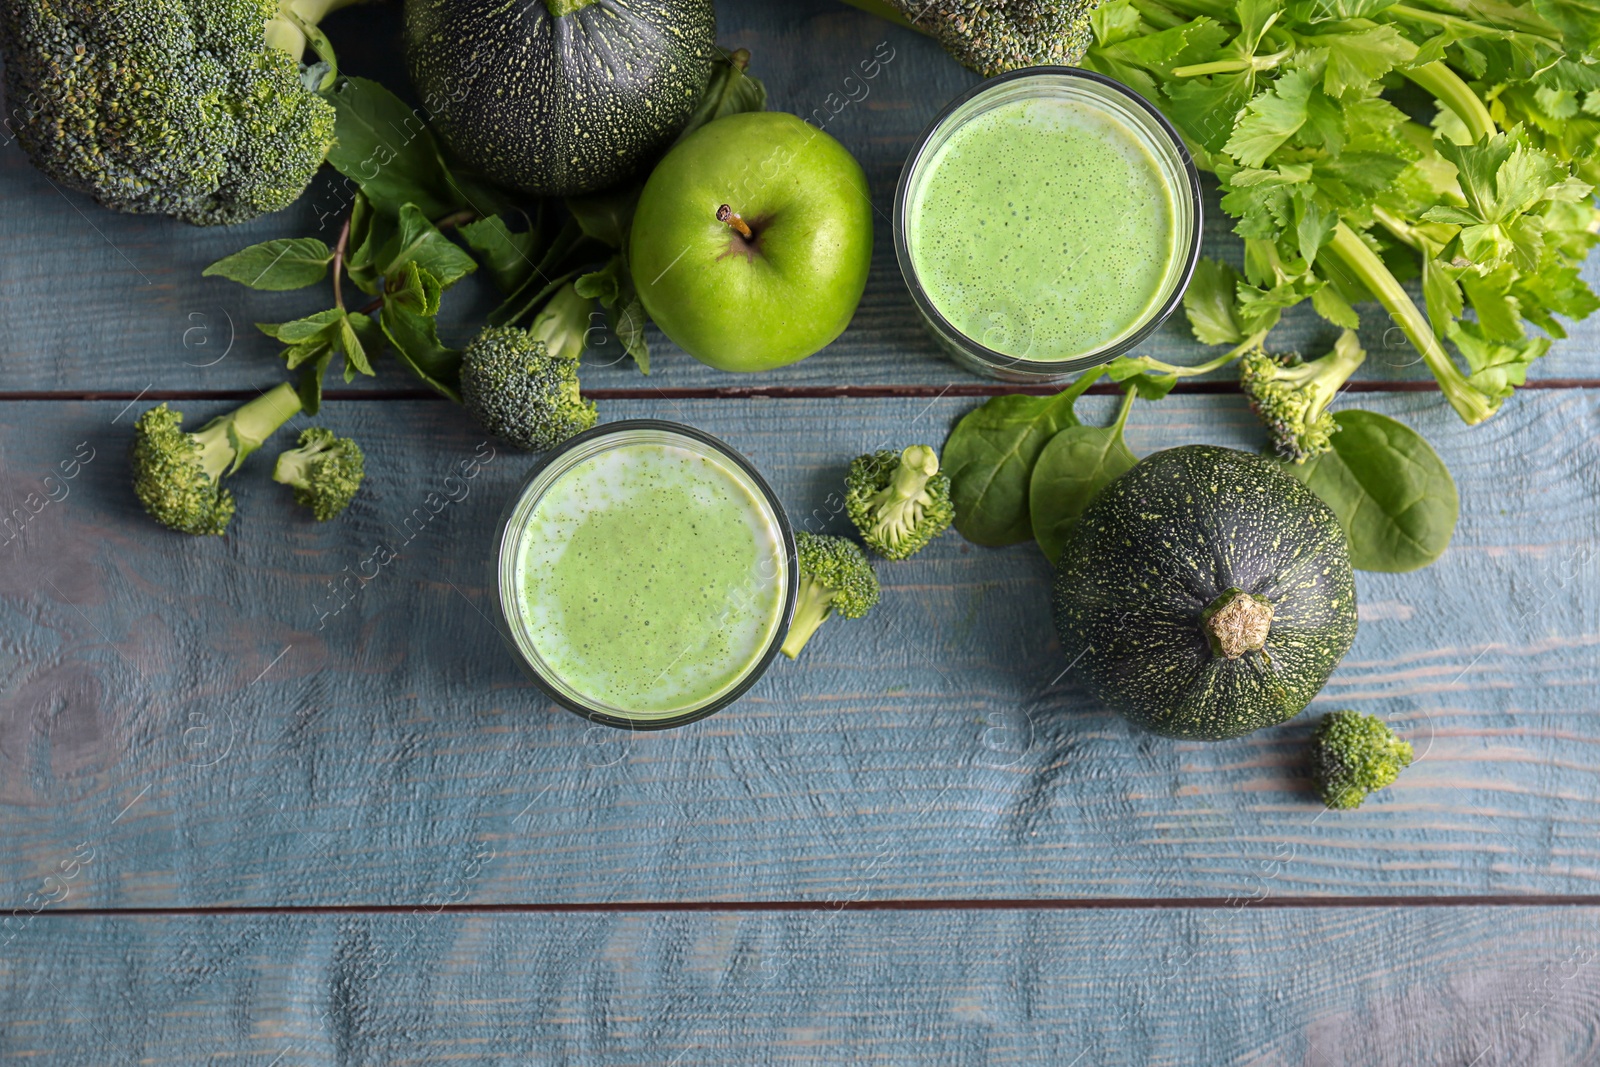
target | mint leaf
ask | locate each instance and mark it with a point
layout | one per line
(612, 285)
(416, 343)
(287, 263)
(416, 240)
(306, 329)
(508, 255)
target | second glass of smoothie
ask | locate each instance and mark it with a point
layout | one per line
(646, 576)
(1048, 221)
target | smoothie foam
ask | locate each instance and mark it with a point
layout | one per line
(1043, 228)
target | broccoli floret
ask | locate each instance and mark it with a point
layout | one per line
(899, 501)
(993, 36)
(325, 471)
(191, 108)
(1292, 396)
(522, 385)
(1353, 755)
(178, 475)
(834, 577)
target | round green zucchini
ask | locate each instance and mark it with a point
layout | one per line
(1206, 593)
(559, 97)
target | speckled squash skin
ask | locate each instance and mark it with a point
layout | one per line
(558, 105)
(1160, 544)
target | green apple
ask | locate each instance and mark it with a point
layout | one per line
(751, 241)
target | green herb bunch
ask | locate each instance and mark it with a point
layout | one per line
(1300, 108)
(415, 226)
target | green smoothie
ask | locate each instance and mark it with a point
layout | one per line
(1043, 228)
(651, 578)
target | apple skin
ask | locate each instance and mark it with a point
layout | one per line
(742, 305)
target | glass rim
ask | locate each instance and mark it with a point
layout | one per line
(1036, 367)
(506, 553)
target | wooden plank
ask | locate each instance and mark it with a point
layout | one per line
(1490, 987)
(223, 727)
(95, 301)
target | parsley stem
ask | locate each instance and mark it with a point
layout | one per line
(1232, 66)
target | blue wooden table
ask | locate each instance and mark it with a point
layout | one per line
(256, 812)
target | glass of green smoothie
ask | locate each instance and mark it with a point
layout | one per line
(1047, 221)
(646, 574)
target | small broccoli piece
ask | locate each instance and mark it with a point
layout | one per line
(899, 501)
(834, 577)
(1354, 754)
(522, 385)
(994, 36)
(191, 108)
(325, 471)
(1292, 396)
(178, 476)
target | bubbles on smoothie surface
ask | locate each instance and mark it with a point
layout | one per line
(642, 578)
(1045, 225)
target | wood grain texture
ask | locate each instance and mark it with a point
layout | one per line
(197, 712)
(96, 301)
(1250, 987)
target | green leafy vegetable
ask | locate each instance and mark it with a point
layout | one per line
(1391, 491)
(287, 263)
(989, 459)
(417, 240)
(612, 285)
(509, 256)
(1076, 464)
(387, 149)
(1339, 194)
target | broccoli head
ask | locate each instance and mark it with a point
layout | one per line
(899, 501)
(994, 36)
(834, 577)
(1354, 754)
(522, 385)
(325, 471)
(178, 476)
(191, 108)
(1292, 396)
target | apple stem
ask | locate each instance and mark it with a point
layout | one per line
(731, 217)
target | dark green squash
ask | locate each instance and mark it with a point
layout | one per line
(559, 97)
(1206, 593)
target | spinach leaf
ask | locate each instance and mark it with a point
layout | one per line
(989, 457)
(1077, 463)
(386, 148)
(1391, 491)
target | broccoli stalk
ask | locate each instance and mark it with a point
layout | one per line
(178, 476)
(835, 577)
(899, 502)
(325, 471)
(1292, 396)
(1354, 755)
(191, 108)
(522, 385)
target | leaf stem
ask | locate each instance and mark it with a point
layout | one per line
(1128, 396)
(1347, 245)
(338, 262)
(1455, 94)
